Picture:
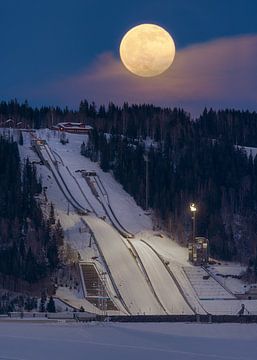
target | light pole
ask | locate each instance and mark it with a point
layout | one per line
(193, 211)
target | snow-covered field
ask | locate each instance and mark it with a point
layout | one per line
(65, 341)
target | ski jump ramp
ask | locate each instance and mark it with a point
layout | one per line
(127, 275)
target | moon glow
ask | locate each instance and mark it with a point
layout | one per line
(147, 50)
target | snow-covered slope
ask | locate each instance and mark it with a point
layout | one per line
(128, 278)
(111, 252)
(162, 282)
(131, 216)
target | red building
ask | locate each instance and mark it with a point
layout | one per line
(71, 127)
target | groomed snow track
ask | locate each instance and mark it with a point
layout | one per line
(82, 192)
(121, 263)
(104, 200)
(164, 283)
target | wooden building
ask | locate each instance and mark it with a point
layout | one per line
(72, 127)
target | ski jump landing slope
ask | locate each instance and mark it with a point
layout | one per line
(162, 282)
(129, 279)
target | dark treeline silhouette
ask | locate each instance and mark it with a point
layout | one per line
(134, 121)
(28, 243)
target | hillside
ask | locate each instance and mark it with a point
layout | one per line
(122, 249)
(200, 160)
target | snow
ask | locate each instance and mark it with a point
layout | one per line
(165, 246)
(132, 216)
(229, 307)
(95, 205)
(187, 288)
(127, 276)
(68, 298)
(176, 257)
(20, 340)
(248, 150)
(123, 267)
(206, 289)
(226, 272)
(162, 282)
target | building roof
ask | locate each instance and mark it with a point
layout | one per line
(73, 125)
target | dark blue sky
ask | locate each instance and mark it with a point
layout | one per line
(45, 40)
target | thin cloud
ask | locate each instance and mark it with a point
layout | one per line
(221, 73)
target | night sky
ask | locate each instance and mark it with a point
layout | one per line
(59, 52)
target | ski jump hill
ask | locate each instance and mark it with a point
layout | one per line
(139, 271)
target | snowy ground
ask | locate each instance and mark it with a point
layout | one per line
(34, 341)
(225, 273)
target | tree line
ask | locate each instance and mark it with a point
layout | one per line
(28, 242)
(135, 121)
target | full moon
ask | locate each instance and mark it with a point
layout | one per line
(147, 50)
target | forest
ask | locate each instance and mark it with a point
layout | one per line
(203, 160)
(28, 242)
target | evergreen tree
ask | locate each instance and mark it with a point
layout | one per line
(83, 149)
(20, 138)
(42, 307)
(31, 267)
(51, 215)
(52, 255)
(58, 233)
(51, 305)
